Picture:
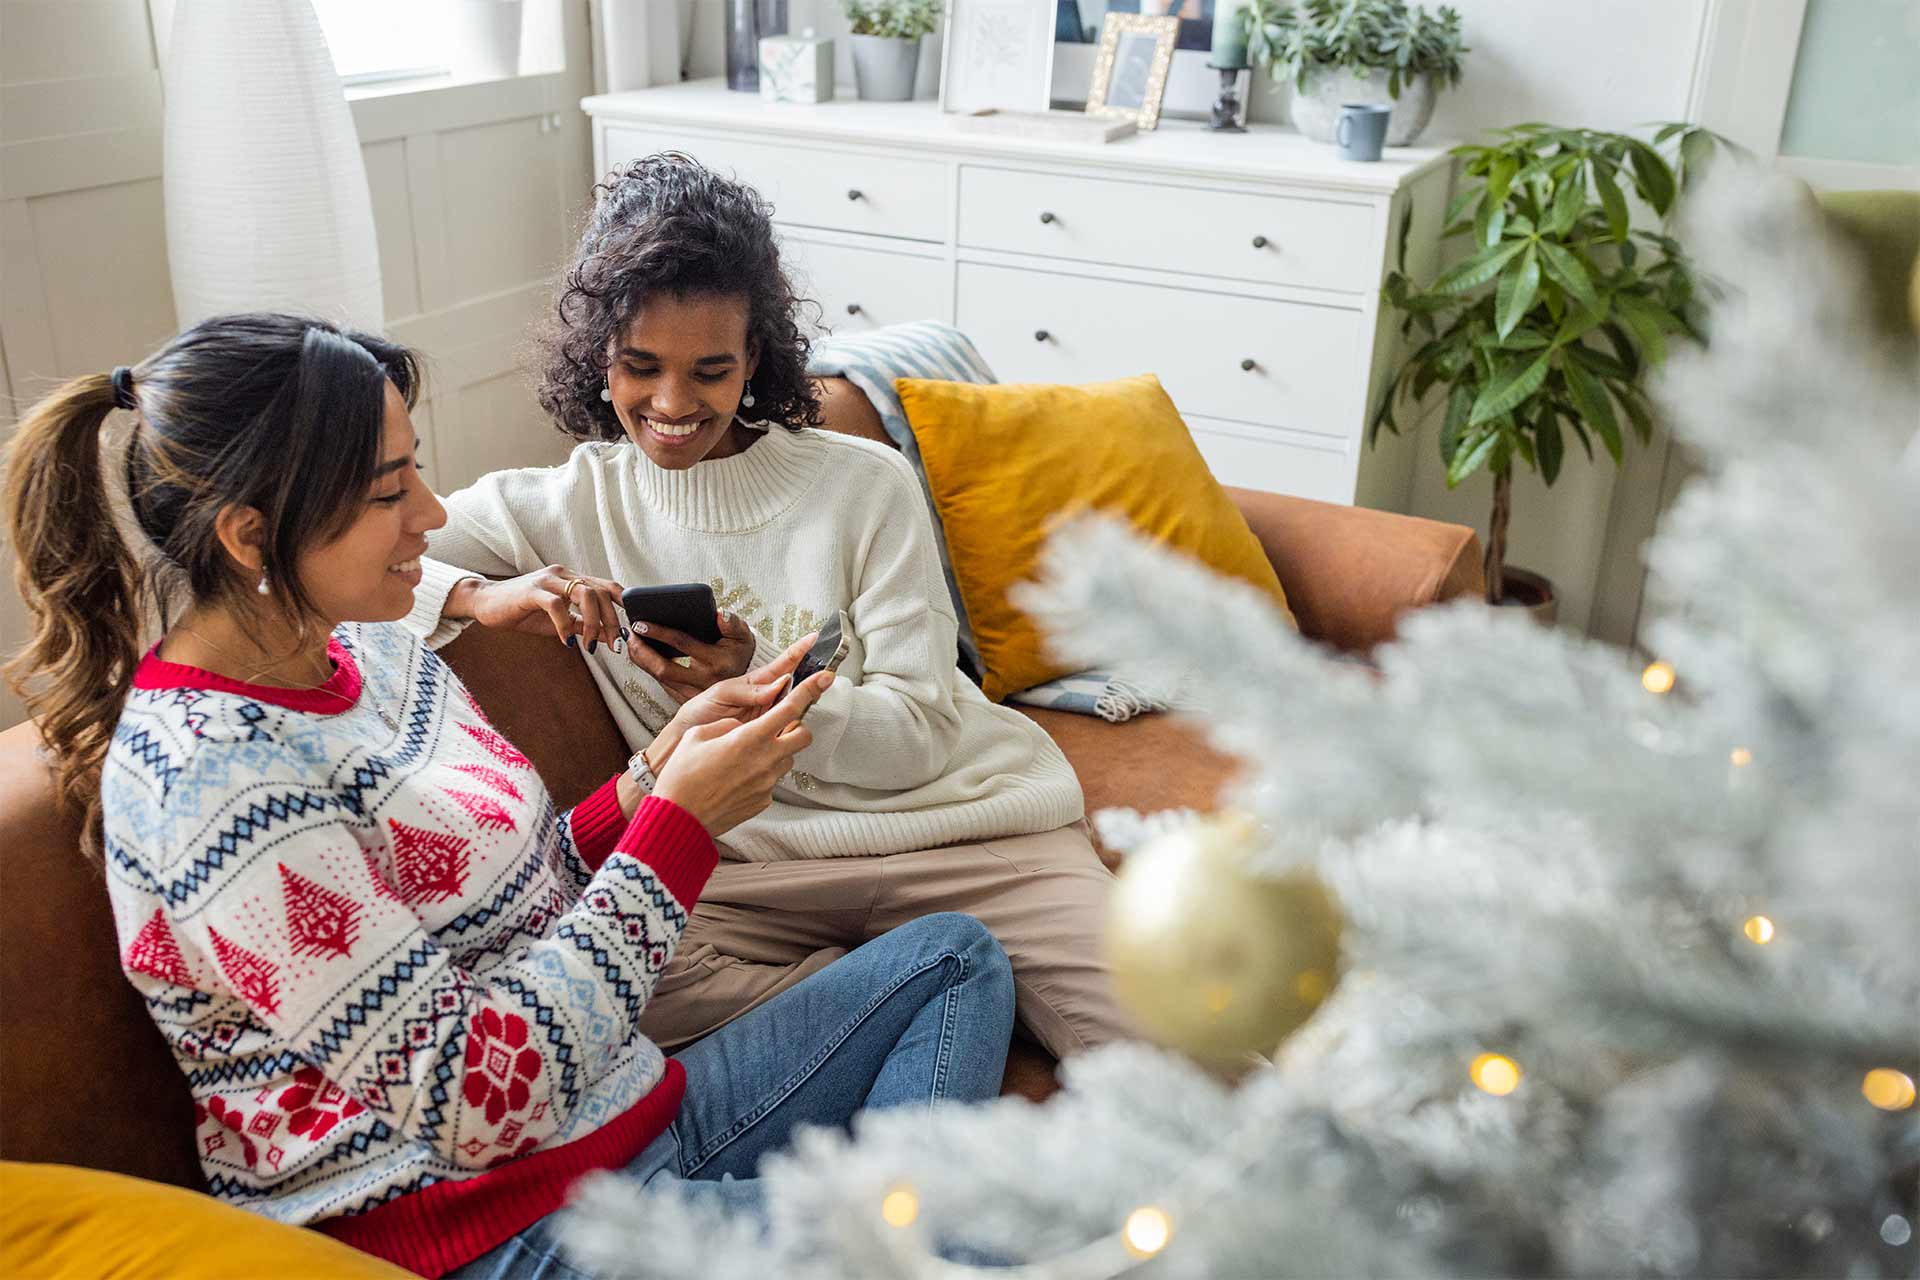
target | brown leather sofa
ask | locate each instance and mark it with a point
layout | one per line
(84, 1076)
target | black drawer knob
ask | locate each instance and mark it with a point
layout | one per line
(856, 194)
(1046, 218)
(1259, 242)
(1041, 335)
(853, 308)
(1248, 365)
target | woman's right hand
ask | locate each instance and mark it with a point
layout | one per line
(723, 773)
(539, 602)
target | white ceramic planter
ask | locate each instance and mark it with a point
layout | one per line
(1315, 110)
(884, 67)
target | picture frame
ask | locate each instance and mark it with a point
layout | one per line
(1131, 65)
(997, 55)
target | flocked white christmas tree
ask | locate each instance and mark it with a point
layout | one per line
(1629, 982)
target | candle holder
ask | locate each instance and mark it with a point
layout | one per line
(1227, 110)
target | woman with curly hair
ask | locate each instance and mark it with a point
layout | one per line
(677, 360)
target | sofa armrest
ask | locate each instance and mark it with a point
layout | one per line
(1350, 572)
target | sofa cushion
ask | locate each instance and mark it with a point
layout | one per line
(57, 1221)
(1004, 463)
(1149, 764)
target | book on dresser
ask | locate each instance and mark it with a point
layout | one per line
(1243, 269)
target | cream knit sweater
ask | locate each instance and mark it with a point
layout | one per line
(907, 753)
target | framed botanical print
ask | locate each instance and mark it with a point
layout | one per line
(1131, 65)
(997, 55)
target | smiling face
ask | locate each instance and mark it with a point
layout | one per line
(368, 572)
(676, 372)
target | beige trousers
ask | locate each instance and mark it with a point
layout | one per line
(760, 927)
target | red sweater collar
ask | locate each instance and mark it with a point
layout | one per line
(340, 693)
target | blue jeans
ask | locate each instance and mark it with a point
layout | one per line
(918, 1016)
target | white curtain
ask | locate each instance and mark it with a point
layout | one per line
(266, 193)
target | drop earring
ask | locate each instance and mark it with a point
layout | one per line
(263, 588)
(747, 398)
(606, 394)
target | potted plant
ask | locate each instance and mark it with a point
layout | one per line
(1548, 325)
(886, 45)
(1334, 52)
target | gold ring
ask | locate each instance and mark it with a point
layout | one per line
(566, 592)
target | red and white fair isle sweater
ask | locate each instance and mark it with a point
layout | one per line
(402, 988)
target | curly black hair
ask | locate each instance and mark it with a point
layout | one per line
(668, 225)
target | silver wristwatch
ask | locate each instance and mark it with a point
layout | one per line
(640, 771)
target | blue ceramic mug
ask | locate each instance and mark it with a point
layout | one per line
(1362, 130)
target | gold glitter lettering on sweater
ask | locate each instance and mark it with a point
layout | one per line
(745, 601)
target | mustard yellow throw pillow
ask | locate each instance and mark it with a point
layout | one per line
(1005, 462)
(58, 1222)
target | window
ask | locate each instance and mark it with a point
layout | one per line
(378, 42)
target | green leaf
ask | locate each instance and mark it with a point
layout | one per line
(1516, 382)
(1499, 178)
(1568, 202)
(1643, 322)
(1668, 130)
(1549, 445)
(1590, 398)
(1652, 175)
(1461, 202)
(1477, 270)
(1459, 404)
(1615, 203)
(1565, 268)
(1579, 432)
(1696, 147)
(1518, 288)
(1496, 226)
(1467, 461)
(1629, 397)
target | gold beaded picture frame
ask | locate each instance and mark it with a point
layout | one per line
(1130, 68)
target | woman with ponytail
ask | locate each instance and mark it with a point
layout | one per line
(404, 991)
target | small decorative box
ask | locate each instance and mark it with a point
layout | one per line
(796, 68)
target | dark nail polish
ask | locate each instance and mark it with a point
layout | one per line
(592, 645)
(570, 643)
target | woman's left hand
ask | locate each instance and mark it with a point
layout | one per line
(740, 698)
(707, 664)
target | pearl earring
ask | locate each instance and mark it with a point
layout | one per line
(263, 588)
(747, 399)
(606, 394)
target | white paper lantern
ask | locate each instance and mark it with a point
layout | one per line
(266, 192)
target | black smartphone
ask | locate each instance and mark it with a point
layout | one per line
(827, 653)
(684, 606)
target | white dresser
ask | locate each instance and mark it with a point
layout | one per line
(1244, 270)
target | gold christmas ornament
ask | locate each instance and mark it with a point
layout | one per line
(1211, 959)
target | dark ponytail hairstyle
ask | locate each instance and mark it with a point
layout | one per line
(668, 225)
(279, 413)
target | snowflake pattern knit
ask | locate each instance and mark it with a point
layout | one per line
(402, 988)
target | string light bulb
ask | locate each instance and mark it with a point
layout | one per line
(1741, 757)
(1147, 1231)
(1495, 1073)
(900, 1207)
(1657, 678)
(1888, 1089)
(1759, 930)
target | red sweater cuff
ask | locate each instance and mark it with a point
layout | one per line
(597, 824)
(674, 845)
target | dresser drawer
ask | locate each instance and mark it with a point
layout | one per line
(814, 187)
(860, 289)
(1258, 458)
(1307, 362)
(1314, 244)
